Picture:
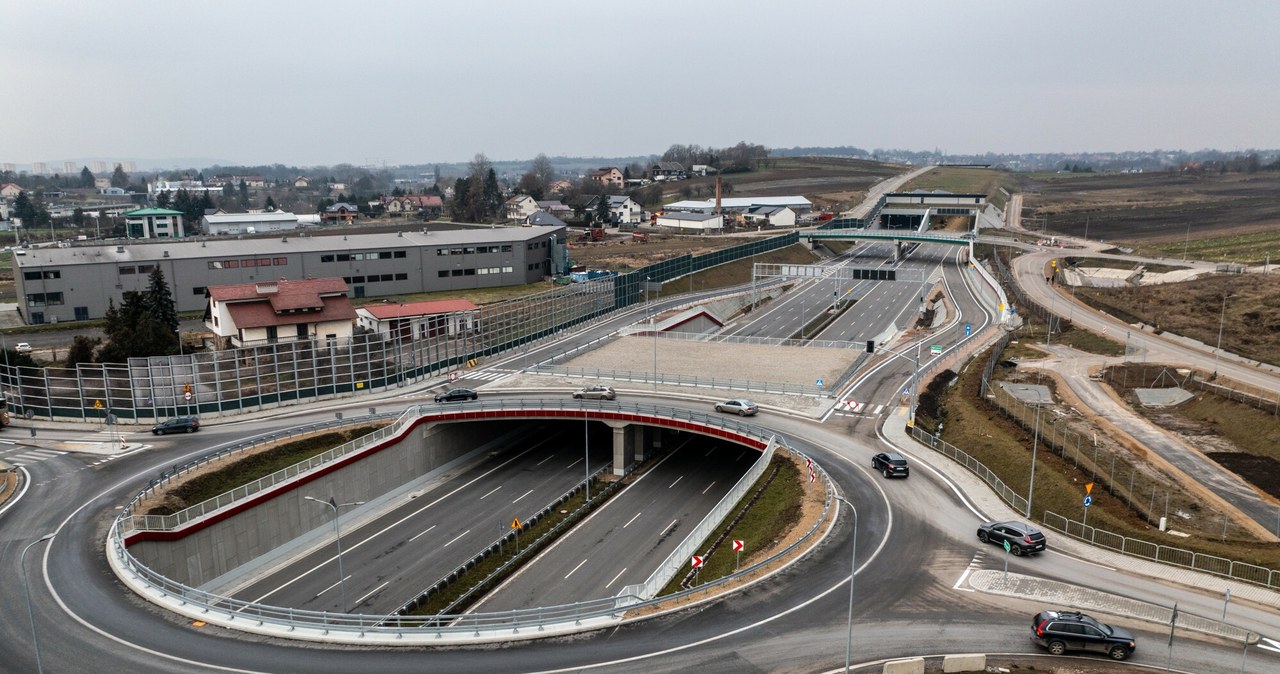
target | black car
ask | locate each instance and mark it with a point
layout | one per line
(891, 464)
(1062, 631)
(454, 395)
(177, 425)
(1023, 539)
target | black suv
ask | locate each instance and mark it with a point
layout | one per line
(891, 464)
(177, 425)
(1023, 539)
(456, 394)
(1062, 631)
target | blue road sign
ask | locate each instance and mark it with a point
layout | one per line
(968, 329)
(819, 383)
(1088, 501)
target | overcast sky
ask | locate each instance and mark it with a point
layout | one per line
(324, 82)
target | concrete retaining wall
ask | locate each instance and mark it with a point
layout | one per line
(964, 663)
(908, 666)
(212, 552)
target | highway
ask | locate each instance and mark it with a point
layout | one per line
(915, 542)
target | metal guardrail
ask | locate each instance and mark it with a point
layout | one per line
(1004, 491)
(358, 628)
(674, 561)
(1164, 554)
(682, 380)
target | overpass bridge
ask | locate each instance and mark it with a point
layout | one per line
(897, 237)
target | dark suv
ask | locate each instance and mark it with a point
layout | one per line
(891, 464)
(177, 425)
(1062, 631)
(1023, 539)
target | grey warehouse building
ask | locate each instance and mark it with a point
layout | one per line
(76, 283)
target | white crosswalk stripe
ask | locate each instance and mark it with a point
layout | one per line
(31, 456)
(491, 375)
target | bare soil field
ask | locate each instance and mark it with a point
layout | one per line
(1162, 210)
(967, 181)
(831, 183)
(1250, 326)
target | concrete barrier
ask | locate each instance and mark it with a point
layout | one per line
(964, 663)
(908, 666)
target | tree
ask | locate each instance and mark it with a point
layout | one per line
(86, 177)
(24, 210)
(244, 193)
(162, 199)
(532, 186)
(602, 210)
(81, 350)
(159, 302)
(119, 178)
(458, 206)
(492, 196)
(77, 217)
(271, 203)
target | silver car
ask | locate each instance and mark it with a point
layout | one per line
(738, 406)
(595, 392)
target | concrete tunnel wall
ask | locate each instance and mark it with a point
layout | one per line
(211, 552)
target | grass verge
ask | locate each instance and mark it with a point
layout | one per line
(204, 486)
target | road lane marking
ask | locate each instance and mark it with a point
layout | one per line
(575, 462)
(631, 520)
(332, 586)
(615, 578)
(424, 533)
(1271, 645)
(545, 460)
(523, 495)
(491, 492)
(376, 590)
(455, 539)
(704, 491)
(579, 566)
(669, 528)
(709, 452)
(676, 482)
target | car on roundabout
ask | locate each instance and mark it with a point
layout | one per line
(1062, 631)
(595, 393)
(738, 406)
(1023, 539)
(891, 464)
(456, 395)
(176, 425)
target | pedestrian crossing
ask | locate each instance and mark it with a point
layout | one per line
(487, 375)
(853, 408)
(27, 456)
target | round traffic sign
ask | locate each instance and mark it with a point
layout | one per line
(1088, 501)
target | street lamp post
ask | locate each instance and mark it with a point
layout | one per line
(1035, 443)
(35, 642)
(915, 378)
(1221, 321)
(337, 535)
(653, 327)
(586, 453)
(853, 571)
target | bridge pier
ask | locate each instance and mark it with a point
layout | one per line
(624, 445)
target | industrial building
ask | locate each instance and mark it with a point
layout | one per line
(78, 282)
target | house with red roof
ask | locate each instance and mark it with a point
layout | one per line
(419, 320)
(268, 312)
(10, 191)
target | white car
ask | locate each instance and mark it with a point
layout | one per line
(22, 347)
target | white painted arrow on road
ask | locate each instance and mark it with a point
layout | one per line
(1271, 644)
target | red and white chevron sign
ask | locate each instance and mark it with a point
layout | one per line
(737, 545)
(697, 561)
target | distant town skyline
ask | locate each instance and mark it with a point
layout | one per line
(399, 82)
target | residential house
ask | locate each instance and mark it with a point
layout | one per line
(609, 176)
(668, 170)
(426, 204)
(100, 183)
(624, 210)
(267, 312)
(544, 218)
(521, 206)
(301, 183)
(420, 320)
(559, 186)
(556, 208)
(153, 223)
(10, 191)
(340, 212)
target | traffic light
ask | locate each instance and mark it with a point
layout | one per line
(871, 346)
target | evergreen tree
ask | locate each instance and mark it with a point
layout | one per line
(81, 350)
(159, 301)
(459, 206)
(162, 200)
(602, 210)
(492, 196)
(119, 178)
(271, 203)
(86, 177)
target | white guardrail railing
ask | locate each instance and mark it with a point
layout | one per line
(537, 622)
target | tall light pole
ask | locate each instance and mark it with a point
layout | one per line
(337, 535)
(35, 641)
(1221, 321)
(586, 453)
(853, 571)
(1035, 443)
(653, 327)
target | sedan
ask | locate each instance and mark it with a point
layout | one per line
(456, 394)
(22, 347)
(1023, 539)
(177, 425)
(738, 406)
(891, 464)
(596, 392)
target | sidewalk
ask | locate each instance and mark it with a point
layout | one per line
(985, 501)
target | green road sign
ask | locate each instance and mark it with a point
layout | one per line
(935, 350)
(1007, 547)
